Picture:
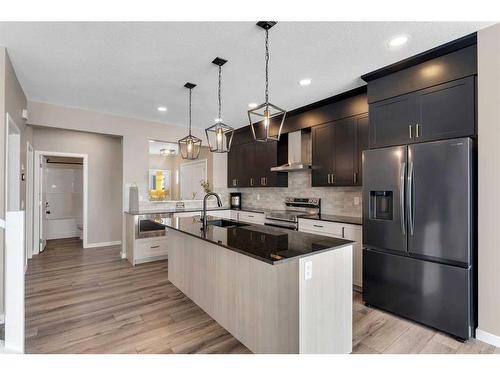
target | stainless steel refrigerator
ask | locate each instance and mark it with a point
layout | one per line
(418, 237)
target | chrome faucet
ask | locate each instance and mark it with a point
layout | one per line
(219, 204)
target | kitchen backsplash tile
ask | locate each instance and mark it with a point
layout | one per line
(334, 200)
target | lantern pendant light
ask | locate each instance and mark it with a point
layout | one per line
(263, 116)
(219, 135)
(190, 145)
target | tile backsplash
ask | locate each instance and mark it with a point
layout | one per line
(334, 200)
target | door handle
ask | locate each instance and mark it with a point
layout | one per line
(402, 174)
(409, 199)
(417, 130)
(410, 130)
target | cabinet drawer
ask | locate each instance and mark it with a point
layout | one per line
(251, 217)
(187, 214)
(225, 214)
(321, 227)
(150, 248)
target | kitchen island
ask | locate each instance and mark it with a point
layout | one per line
(275, 290)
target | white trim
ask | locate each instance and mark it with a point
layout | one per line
(2, 223)
(9, 122)
(488, 338)
(123, 255)
(102, 244)
(2, 318)
(38, 155)
(30, 200)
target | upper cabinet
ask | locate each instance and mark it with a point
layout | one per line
(427, 97)
(336, 151)
(438, 112)
(249, 164)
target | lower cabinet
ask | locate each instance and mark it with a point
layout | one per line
(223, 214)
(251, 217)
(143, 250)
(340, 230)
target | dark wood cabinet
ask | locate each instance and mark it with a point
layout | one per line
(362, 143)
(336, 151)
(445, 111)
(249, 165)
(323, 138)
(391, 121)
(439, 112)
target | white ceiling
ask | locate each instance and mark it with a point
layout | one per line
(132, 68)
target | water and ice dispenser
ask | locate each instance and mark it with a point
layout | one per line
(381, 205)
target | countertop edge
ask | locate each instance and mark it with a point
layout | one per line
(270, 262)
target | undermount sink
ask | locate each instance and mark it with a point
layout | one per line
(226, 223)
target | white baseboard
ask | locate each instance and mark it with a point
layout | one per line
(58, 235)
(488, 338)
(124, 255)
(101, 244)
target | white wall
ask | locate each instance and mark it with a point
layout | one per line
(12, 101)
(104, 208)
(489, 182)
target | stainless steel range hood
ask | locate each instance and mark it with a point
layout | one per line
(299, 153)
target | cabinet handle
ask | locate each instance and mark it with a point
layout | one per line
(343, 232)
(329, 178)
(317, 226)
(251, 181)
(333, 178)
(355, 177)
(250, 215)
(265, 181)
(417, 130)
(155, 247)
(411, 133)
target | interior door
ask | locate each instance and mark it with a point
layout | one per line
(390, 121)
(322, 154)
(440, 192)
(344, 152)
(384, 216)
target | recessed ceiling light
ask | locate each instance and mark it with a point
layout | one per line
(252, 105)
(162, 109)
(398, 41)
(305, 82)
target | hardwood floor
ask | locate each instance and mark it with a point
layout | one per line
(92, 301)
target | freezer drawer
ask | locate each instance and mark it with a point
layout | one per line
(430, 293)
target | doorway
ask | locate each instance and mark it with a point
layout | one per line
(61, 191)
(192, 173)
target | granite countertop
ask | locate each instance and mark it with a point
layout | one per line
(173, 210)
(335, 218)
(268, 244)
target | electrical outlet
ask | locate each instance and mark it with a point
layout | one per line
(308, 270)
(356, 201)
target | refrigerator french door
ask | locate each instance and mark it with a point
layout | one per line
(417, 233)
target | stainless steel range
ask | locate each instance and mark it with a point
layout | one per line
(294, 208)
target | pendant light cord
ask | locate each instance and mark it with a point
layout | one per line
(267, 66)
(190, 91)
(220, 100)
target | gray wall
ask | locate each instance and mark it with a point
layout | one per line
(104, 176)
(12, 101)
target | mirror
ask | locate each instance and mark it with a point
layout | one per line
(174, 178)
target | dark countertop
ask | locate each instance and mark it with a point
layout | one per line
(268, 244)
(251, 209)
(335, 218)
(174, 210)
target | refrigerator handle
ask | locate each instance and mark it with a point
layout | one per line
(402, 197)
(410, 197)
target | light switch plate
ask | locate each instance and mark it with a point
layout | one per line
(356, 201)
(308, 270)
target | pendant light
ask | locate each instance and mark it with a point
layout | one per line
(190, 145)
(261, 117)
(219, 135)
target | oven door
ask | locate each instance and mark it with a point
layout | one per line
(148, 227)
(281, 224)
